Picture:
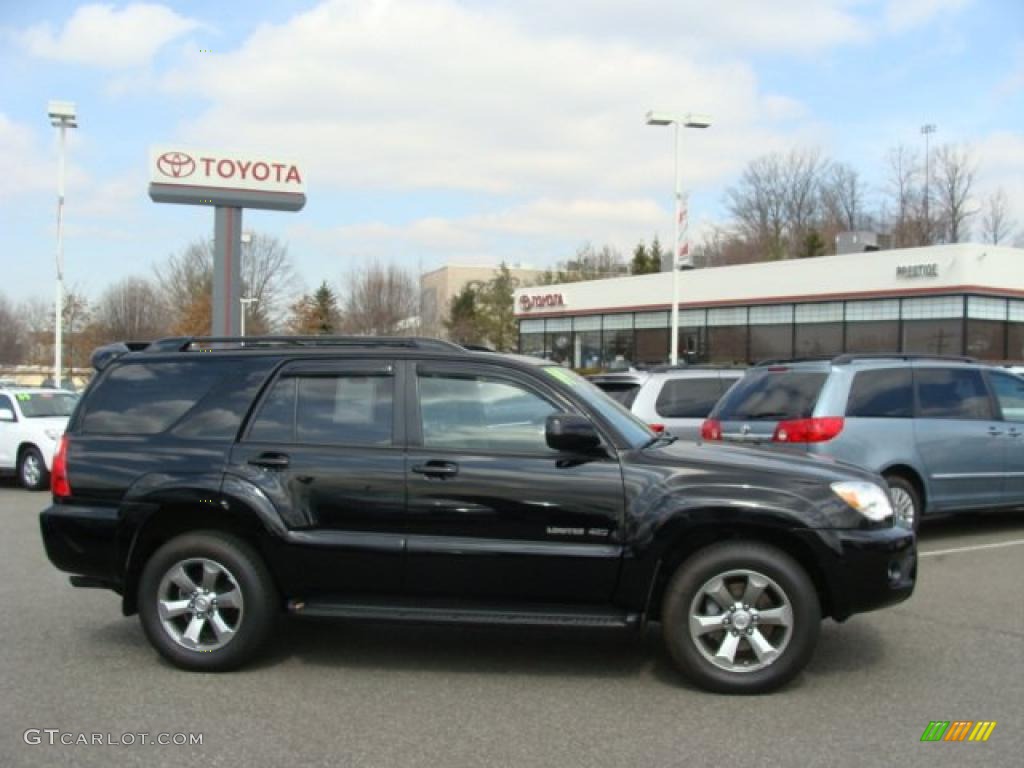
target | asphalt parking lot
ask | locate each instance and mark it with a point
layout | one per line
(359, 695)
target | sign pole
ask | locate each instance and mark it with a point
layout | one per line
(227, 271)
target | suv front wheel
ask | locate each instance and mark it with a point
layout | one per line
(206, 601)
(741, 617)
(32, 470)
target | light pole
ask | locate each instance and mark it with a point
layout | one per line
(62, 115)
(680, 248)
(927, 129)
(245, 301)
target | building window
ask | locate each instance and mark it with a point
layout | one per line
(821, 339)
(872, 311)
(933, 326)
(587, 341)
(821, 312)
(986, 339)
(727, 335)
(652, 337)
(617, 341)
(1015, 331)
(771, 332)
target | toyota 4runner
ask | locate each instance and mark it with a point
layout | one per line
(217, 483)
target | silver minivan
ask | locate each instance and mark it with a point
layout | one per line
(947, 434)
(675, 400)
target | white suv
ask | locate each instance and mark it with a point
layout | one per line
(31, 422)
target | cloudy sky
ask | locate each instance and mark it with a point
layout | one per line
(471, 131)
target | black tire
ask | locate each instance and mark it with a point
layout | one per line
(32, 472)
(796, 642)
(898, 483)
(244, 569)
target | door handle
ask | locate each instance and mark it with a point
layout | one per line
(1014, 432)
(994, 432)
(437, 469)
(270, 461)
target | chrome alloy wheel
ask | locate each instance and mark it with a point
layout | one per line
(741, 621)
(31, 470)
(902, 505)
(200, 604)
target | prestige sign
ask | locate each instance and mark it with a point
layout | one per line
(233, 179)
(917, 270)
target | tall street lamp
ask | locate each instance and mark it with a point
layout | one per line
(62, 115)
(245, 301)
(927, 129)
(680, 249)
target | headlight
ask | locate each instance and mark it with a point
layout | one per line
(870, 500)
(53, 434)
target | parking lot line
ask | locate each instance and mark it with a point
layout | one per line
(957, 550)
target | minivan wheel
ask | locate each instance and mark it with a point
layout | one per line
(740, 617)
(32, 470)
(206, 601)
(906, 502)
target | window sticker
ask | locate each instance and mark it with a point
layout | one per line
(563, 375)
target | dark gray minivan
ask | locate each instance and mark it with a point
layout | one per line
(947, 434)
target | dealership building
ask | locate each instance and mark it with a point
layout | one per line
(964, 299)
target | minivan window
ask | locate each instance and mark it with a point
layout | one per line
(952, 393)
(772, 395)
(886, 393)
(147, 398)
(1010, 393)
(689, 398)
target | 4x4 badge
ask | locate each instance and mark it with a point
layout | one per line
(745, 429)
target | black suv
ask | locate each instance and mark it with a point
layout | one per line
(216, 483)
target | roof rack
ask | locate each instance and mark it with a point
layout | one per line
(208, 343)
(785, 360)
(854, 356)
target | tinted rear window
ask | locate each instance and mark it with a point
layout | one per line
(147, 398)
(772, 395)
(622, 392)
(952, 393)
(690, 398)
(887, 393)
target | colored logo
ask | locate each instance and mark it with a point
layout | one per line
(527, 302)
(177, 165)
(958, 730)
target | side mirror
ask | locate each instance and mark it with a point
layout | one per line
(570, 432)
(6, 414)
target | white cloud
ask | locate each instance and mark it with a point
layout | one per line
(1001, 165)
(25, 170)
(100, 35)
(902, 15)
(434, 94)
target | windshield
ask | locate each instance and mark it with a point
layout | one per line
(39, 405)
(637, 433)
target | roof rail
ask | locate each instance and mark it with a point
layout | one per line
(784, 360)
(854, 356)
(207, 343)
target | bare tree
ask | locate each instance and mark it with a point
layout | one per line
(843, 198)
(186, 283)
(954, 177)
(379, 301)
(904, 179)
(14, 341)
(996, 223)
(268, 276)
(37, 315)
(130, 309)
(802, 174)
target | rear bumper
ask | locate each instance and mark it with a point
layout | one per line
(866, 570)
(82, 540)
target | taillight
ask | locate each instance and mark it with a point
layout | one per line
(59, 484)
(711, 429)
(807, 430)
(659, 428)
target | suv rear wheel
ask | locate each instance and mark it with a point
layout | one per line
(207, 601)
(740, 617)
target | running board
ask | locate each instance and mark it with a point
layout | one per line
(426, 613)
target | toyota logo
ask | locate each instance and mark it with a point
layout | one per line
(524, 301)
(177, 165)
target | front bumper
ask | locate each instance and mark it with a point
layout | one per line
(83, 540)
(865, 569)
